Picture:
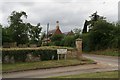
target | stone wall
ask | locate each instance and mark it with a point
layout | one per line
(9, 45)
(29, 58)
(71, 54)
(22, 45)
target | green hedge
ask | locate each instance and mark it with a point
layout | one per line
(20, 55)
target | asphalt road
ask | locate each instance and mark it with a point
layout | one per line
(104, 63)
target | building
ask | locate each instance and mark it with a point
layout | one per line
(69, 33)
(55, 31)
(58, 31)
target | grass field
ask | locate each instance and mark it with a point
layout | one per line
(43, 64)
(113, 74)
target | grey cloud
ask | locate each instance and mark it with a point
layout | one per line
(70, 13)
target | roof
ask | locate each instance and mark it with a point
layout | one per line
(69, 33)
(58, 31)
(52, 31)
(55, 31)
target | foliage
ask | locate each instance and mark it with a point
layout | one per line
(77, 32)
(86, 42)
(56, 39)
(115, 41)
(21, 32)
(18, 27)
(46, 52)
(43, 35)
(34, 33)
(93, 19)
(6, 35)
(22, 53)
(103, 35)
(69, 41)
(85, 27)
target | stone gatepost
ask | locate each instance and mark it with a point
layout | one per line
(79, 47)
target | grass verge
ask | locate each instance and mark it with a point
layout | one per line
(43, 64)
(107, 52)
(112, 74)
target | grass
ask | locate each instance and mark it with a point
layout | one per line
(43, 64)
(107, 52)
(112, 74)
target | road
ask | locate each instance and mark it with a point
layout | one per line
(104, 63)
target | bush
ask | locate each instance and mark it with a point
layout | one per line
(21, 54)
(69, 41)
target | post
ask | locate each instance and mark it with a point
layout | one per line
(79, 47)
(47, 32)
(61, 53)
(58, 56)
(65, 56)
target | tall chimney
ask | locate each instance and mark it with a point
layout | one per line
(57, 26)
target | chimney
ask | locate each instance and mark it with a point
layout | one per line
(57, 26)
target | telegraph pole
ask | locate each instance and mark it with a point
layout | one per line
(47, 32)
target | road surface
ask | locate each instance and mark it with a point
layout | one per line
(104, 63)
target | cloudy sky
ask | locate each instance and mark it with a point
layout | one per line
(70, 13)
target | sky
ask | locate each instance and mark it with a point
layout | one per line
(71, 14)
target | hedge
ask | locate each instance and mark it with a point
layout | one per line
(20, 54)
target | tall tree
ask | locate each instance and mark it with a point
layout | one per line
(94, 18)
(18, 27)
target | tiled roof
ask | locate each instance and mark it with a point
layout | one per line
(68, 33)
(52, 31)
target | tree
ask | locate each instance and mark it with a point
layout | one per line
(6, 35)
(18, 28)
(101, 35)
(94, 18)
(85, 27)
(77, 32)
(115, 41)
(34, 33)
(43, 35)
